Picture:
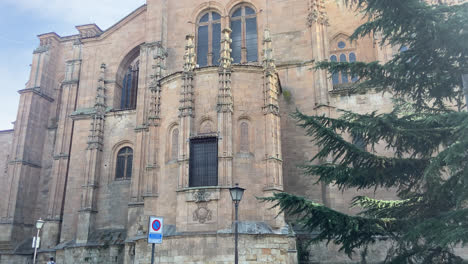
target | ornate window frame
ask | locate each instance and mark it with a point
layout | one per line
(212, 56)
(244, 51)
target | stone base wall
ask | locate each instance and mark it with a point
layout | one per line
(216, 249)
(15, 259)
(91, 255)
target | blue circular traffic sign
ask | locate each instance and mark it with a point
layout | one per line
(156, 225)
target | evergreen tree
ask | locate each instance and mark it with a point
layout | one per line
(427, 132)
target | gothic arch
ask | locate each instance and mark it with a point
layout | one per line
(231, 5)
(126, 88)
(206, 6)
(341, 36)
(342, 49)
(245, 135)
(206, 126)
(113, 159)
(172, 142)
(244, 23)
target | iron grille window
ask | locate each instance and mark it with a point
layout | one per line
(203, 162)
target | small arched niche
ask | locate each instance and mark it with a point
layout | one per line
(126, 89)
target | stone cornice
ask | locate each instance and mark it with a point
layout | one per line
(26, 163)
(36, 91)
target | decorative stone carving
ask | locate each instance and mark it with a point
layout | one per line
(202, 214)
(186, 108)
(317, 13)
(225, 103)
(159, 57)
(89, 31)
(201, 196)
(271, 77)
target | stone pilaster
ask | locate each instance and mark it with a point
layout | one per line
(159, 55)
(88, 210)
(317, 21)
(225, 111)
(272, 118)
(186, 112)
(273, 156)
(18, 206)
(62, 145)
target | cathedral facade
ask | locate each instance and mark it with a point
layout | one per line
(160, 115)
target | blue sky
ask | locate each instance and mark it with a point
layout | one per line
(22, 20)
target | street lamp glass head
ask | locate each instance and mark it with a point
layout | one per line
(236, 193)
(39, 223)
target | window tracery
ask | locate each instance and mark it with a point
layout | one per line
(244, 34)
(342, 51)
(209, 39)
(130, 86)
(124, 164)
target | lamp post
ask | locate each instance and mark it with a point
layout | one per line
(39, 224)
(236, 195)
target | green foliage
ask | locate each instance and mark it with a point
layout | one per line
(429, 168)
(287, 95)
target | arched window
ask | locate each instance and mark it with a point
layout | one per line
(209, 39)
(123, 168)
(130, 86)
(352, 58)
(335, 76)
(175, 144)
(244, 34)
(344, 77)
(343, 52)
(244, 137)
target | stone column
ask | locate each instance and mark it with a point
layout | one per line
(225, 111)
(88, 210)
(186, 113)
(18, 206)
(61, 155)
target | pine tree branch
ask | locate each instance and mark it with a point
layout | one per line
(406, 176)
(351, 232)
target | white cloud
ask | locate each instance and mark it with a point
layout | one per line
(104, 13)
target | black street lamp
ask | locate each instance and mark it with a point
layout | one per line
(236, 195)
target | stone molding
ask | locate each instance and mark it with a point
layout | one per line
(36, 91)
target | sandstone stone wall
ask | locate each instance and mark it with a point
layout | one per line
(70, 129)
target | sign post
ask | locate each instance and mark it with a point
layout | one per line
(155, 233)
